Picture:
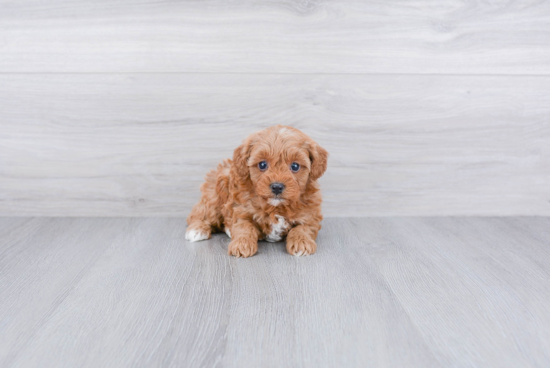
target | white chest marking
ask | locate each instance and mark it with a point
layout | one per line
(277, 229)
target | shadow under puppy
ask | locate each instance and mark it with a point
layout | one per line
(268, 191)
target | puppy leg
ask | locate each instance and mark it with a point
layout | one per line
(207, 214)
(300, 240)
(244, 241)
(199, 223)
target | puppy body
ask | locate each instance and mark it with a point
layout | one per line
(238, 197)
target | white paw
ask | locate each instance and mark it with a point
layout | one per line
(195, 236)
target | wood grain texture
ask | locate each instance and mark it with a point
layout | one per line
(41, 261)
(381, 292)
(140, 144)
(283, 36)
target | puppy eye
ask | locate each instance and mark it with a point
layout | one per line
(295, 167)
(262, 165)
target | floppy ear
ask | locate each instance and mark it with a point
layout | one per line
(318, 156)
(240, 158)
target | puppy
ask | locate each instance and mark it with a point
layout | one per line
(269, 191)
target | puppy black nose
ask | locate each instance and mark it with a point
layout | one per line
(277, 188)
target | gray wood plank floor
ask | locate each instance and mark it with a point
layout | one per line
(381, 292)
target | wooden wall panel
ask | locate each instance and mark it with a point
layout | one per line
(276, 36)
(140, 144)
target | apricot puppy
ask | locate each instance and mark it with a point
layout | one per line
(268, 191)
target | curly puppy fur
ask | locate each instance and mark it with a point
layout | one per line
(238, 197)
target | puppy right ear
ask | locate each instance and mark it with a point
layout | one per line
(319, 157)
(240, 158)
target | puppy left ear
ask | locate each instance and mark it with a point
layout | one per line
(319, 157)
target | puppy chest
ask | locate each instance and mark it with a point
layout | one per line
(277, 230)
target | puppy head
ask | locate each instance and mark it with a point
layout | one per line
(280, 161)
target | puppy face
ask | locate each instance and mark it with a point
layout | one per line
(280, 161)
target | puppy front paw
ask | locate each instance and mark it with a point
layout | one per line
(197, 234)
(300, 246)
(243, 247)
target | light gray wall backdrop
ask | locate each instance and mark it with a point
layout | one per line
(426, 107)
